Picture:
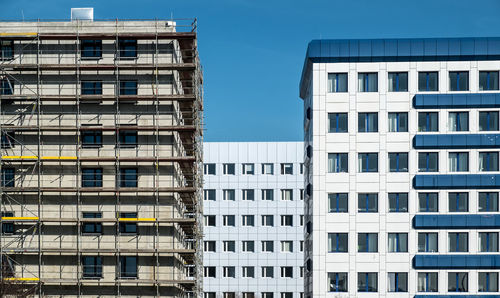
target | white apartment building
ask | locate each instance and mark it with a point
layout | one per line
(253, 210)
(401, 168)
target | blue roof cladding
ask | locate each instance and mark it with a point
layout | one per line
(456, 141)
(461, 181)
(456, 101)
(456, 221)
(456, 261)
(411, 49)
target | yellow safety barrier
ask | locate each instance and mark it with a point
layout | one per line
(22, 278)
(19, 34)
(136, 219)
(19, 218)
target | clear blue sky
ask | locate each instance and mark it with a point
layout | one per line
(252, 51)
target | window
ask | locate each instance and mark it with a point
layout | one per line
(458, 202)
(91, 48)
(301, 168)
(301, 245)
(91, 87)
(398, 162)
(428, 202)
(458, 121)
(302, 220)
(367, 162)
(286, 246)
(209, 295)
(337, 122)
(427, 282)
(248, 169)
(458, 242)
(228, 169)
(247, 194)
(209, 246)
(427, 242)
(397, 282)
(488, 242)
(459, 80)
(286, 295)
(268, 271)
(267, 295)
(248, 294)
(338, 242)
(368, 122)
(487, 281)
(367, 82)
(91, 177)
(127, 138)
(367, 282)
(228, 220)
(488, 80)
(128, 267)
(128, 87)
(458, 282)
(92, 267)
(91, 138)
(398, 82)
(7, 226)
(6, 49)
(488, 121)
(229, 294)
(248, 246)
(337, 282)
(428, 121)
(247, 220)
(286, 169)
(91, 227)
(228, 194)
(209, 194)
(367, 202)
(337, 163)
(338, 202)
(428, 81)
(287, 271)
(7, 141)
(267, 246)
(488, 202)
(488, 161)
(398, 242)
(267, 195)
(127, 48)
(229, 271)
(398, 202)
(367, 242)
(127, 227)
(209, 169)
(128, 177)
(287, 194)
(267, 220)
(6, 87)
(428, 161)
(301, 193)
(229, 246)
(398, 122)
(458, 161)
(248, 271)
(267, 169)
(209, 271)
(8, 177)
(287, 220)
(337, 82)
(210, 220)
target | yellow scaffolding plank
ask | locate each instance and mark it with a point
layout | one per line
(20, 218)
(19, 34)
(22, 278)
(19, 157)
(59, 157)
(136, 219)
(35, 157)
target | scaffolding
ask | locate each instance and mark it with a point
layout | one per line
(109, 143)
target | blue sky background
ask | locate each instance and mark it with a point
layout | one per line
(252, 51)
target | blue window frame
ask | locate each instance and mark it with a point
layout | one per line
(368, 162)
(337, 122)
(458, 201)
(458, 121)
(368, 202)
(428, 202)
(127, 138)
(428, 161)
(488, 121)
(8, 177)
(6, 87)
(91, 48)
(338, 163)
(368, 122)
(398, 81)
(488, 80)
(368, 82)
(92, 177)
(427, 282)
(398, 162)
(127, 227)
(428, 121)
(488, 161)
(458, 161)
(92, 267)
(337, 82)
(398, 281)
(337, 282)
(397, 242)
(459, 80)
(91, 138)
(458, 242)
(338, 202)
(128, 87)
(92, 227)
(91, 87)
(428, 242)
(367, 282)
(128, 267)
(428, 81)
(458, 282)
(398, 202)
(367, 242)
(488, 242)
(338, 242)
(487, 282)
(6, 49)
(488, 202)
(127, 48)
(398, 122)
(7, 227)
(128, 177)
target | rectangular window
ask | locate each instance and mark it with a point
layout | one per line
(368, 162)
(287, 194)
(337, 82)
(128, 177)
(427, 242)
(209, 220)
(8, 139)
(127, 48)
(248, 271)
(428, 122)
(91, 227)
(338, 202)
(91, 177)
(397, 282)
(488, 121)
(458, 282)
(301, 168)
(209, 295)
(367, 242)
(458, 161)
(398, 82)
(127, 227)
(368, 122)
(209, 194)
(247, 220)
(368, 82)
(8, 177)
(398, 242)
(267, 220)
(228, 169)
(228, 194)
(127, 138)
(488, 80)
(248, 169)
(459, 80)
(458, 121)
(337, 122)
(488, 242)
(367, 202)
(338, 242)
(267, 272)
(337, 163)
(6, 87)
(267, 246)
(91, 87)
(428, 81)
(248, 294)
(248, 246)
(398, 202)
(427, 282)
(398, 162)
(428, 161)
(229, 246)
(458, 242)
(487, 281)
(287, 271)
(367, 282)
(128, 267)
(458, 201)
(91, 267)
(128, 88)
(286, 294)
(228, 220)
(267, 169)
(398, 122)
(337, 282)
(267, 194)
(91, 48)
(6, 49)
(91, 138)
(488, 161)
(248, 194)
(209, 271)
(428, 202)
(209, 169)
(286, 220)
(286, 246)
(209, 246)
(229, 271)
(286, 169)
(488, 202)
(7, 226)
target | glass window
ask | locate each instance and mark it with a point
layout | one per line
(127, 138)
(367, 82)
(398, 162)
(248, 271)
(91, 87)
(488, 161)
(428, 81)
(286, 169)
(287, 194)
(397, 282)
(287, 220)
(367, 202)
(127, 227)
(398, 82)
(248, 246)
(209, 246)
(337, 282)
(91, 227)
(247, 220)
(487, 281)
(398, 202)
(428, 202)
(458, 201)
(428, 162)
(91, 267)
(458, 121)
(337, 122)
(6, 87)
(458, 242)
(337, 82)
(488, 242)
(267, 271)
(458, 161)
(367, 242)
(287, 246)
(287, 271)
(247, 194)
(398, 242)
(427, 282)
(268, 194)
(286, 294)
(488, 80)
(367, 282)
(7, 139)
(267, 169)
(368, 122)
(267, 295)
(427, 242)
(488, 121)
(6, 49)
(209, 194)
(459, 80)
(228, 195)
(127, 48)
(248, 169)
(209, 295)
(428, 121)
(91, 177)
(488, 202)
(229, 271)
(209, 220)
(368, 162)
(398, 122)
(338, 202)
(7, 226)
(337, 242)
(128, 87)
(228, 169)
(8, 177)
(209, 271)
(229, 246)
(228, 220)
(91, 48)
(128, 177)
(91, 138)
(267, 246)
(267, 220)
(458, 282)
(128, 267)
(337, 163)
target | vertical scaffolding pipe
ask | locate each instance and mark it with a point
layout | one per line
(78, 168)
(39, 163)
(156, 122)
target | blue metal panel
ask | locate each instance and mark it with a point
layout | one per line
(459, 181)
(456, 262)
(457, 296)
(456, 101)
(456, 141)
(430, 47)
(456, 221)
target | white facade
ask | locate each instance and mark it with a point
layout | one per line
(266, 215)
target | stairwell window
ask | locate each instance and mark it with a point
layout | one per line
(488, 80)
(428, 81)
(92, 177)
(337, 122)
(91, 48)
(488, 202)
(337, 82)
(488, 161)
(127, 48)
(6, 49)
(459, 80)
(488, 121)
(128, 177)
(92, 267)
(398, 82)
(92, 227)
(367, 82)
(128, 267)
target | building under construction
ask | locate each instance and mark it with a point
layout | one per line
(101, 147)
